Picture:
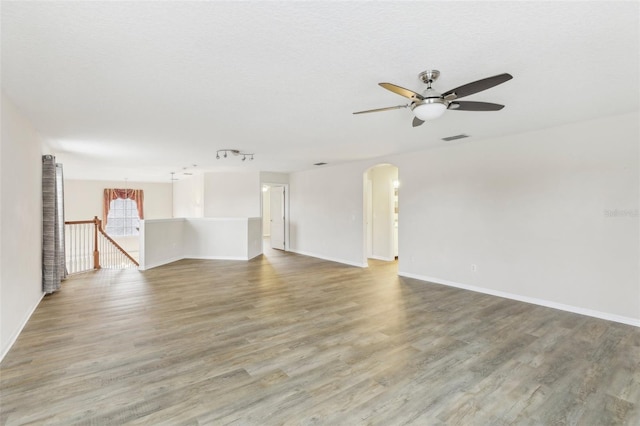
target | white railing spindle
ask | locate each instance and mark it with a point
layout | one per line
(88, 247)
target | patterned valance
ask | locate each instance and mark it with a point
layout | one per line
(111, 194)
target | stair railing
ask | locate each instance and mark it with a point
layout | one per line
(89, 247)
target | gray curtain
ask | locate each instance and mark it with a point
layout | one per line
(53, 263)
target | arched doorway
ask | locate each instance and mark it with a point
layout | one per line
(381, 188)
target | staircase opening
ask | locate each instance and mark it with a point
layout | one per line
(89, 247)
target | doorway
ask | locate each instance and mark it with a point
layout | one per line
(381, 213)
(275, 215)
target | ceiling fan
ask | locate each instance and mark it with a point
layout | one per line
(431, 104)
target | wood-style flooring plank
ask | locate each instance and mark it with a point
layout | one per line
(286, 339)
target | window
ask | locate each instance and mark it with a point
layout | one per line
(122, 211)
(123, 218)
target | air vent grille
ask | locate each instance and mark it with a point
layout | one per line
(453, 138)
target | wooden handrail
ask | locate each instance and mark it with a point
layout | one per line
(79, 222)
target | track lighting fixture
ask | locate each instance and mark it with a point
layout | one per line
(236, 152)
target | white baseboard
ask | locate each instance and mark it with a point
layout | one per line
(331, 259)
(386, 259)
(156, 264)
(255, 255)
(549, 304)
(217, 257)
(175, 259)
(16, 333)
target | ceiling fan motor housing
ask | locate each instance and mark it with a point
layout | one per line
(429, 76)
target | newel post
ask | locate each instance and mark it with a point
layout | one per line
(96, 252)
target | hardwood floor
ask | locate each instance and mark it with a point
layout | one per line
(289, 339)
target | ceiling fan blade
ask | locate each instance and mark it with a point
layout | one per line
(381, 109)
(402, 91)
(417, 122)
(478, 86)
(474, 106)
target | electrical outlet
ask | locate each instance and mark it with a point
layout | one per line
(474, 267)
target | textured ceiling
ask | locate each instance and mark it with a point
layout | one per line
(139, 89)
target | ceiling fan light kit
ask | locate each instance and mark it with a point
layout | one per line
(431, 104)
(429, 109)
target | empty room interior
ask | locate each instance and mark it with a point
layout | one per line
(339, 213)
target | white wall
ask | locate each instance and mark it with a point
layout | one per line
(20, 223)
(188, 196)
(272, 177)
(215, 238)
(167, 240)
(232, 194)
(162, 241)
(254, 237)
(326, 206)
(222, 194)
(84, 198)
(529, 210)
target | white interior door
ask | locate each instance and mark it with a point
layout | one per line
(276, 202)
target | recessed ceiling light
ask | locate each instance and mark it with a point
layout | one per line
(453, 138)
